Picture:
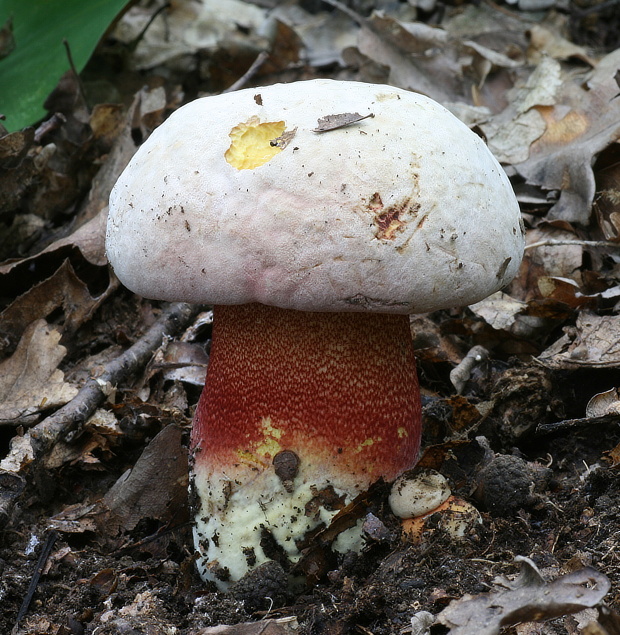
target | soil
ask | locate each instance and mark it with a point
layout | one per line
(552, 496)
(79, 554)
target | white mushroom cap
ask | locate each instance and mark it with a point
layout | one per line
(419, 494)
(402, 212)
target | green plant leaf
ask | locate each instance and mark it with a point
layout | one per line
(32, 70)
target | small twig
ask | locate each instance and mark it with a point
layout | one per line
(78, 79)
(34, 581)
(46, 434)
(245, 78)
(356, 17)
(598, 8)
(582, 243)
(164, 531)
(134, 44)
(569, 424)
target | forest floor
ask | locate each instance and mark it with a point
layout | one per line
(96, 531)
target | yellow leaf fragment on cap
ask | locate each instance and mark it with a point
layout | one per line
(251, 143)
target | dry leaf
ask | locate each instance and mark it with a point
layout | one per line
(280, 626)
(30, 381)
(75, 519)
(184, 361)
(185, 28)
(156, 487)
(325, 35)
(333, 122)
(62, 289)
(510, 134)
(547, 261)
(584, 120)
(607, 202)
(604, 403)
(528, 598)
(544, 41)
(419, 57)
(594, 341)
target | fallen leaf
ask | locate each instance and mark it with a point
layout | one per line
(155, 488)
(281, 626)
(545, 41)
(594, 341)
(30, 381)
(604, 403)
(333, 122)
(184, 361)
(185, 28)
(419, 57)
(583, 121)
(607, 201)
(528, 598)
(547, 260)
(510, 134)
(76, 519)
(63, 289)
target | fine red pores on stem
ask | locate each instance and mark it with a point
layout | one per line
(339, 389)
(316, 216)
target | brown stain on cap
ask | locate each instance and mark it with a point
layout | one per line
(390, 220)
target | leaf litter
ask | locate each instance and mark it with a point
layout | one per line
(520, 390)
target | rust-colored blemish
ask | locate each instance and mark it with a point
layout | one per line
(390, 220)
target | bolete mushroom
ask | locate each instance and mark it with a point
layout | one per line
(315, 217)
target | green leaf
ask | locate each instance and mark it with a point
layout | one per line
(32, 70)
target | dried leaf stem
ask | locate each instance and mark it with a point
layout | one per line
(34, 581)
(44, 435)
(245, 78)
(582, 243)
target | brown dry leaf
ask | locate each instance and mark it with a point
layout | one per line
(613, 456)
(546, 260)
(15, 162)
(98, 433)
(583, 120)
(499, 311)
(431, 345)
(546, 41)
(155, 488)
(281, 626)
(419, 57)
(607, 202)
(450, 64)
(511, 133)
(566, 291)
(30, 381)
(594, 341)
(184, 361)
(333, 122)
(604, 403)
(185, 28)
(526, 599)
(75, 519)
(62, 289)
(89, 239)
(325, 34)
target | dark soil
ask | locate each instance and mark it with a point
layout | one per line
(75, 559)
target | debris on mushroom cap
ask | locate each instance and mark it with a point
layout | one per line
(418, 494)
(237, 198)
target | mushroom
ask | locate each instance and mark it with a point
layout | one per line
(315, 217)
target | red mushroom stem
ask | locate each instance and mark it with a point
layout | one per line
(340, 390)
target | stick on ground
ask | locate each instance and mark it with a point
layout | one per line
(174, 318)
